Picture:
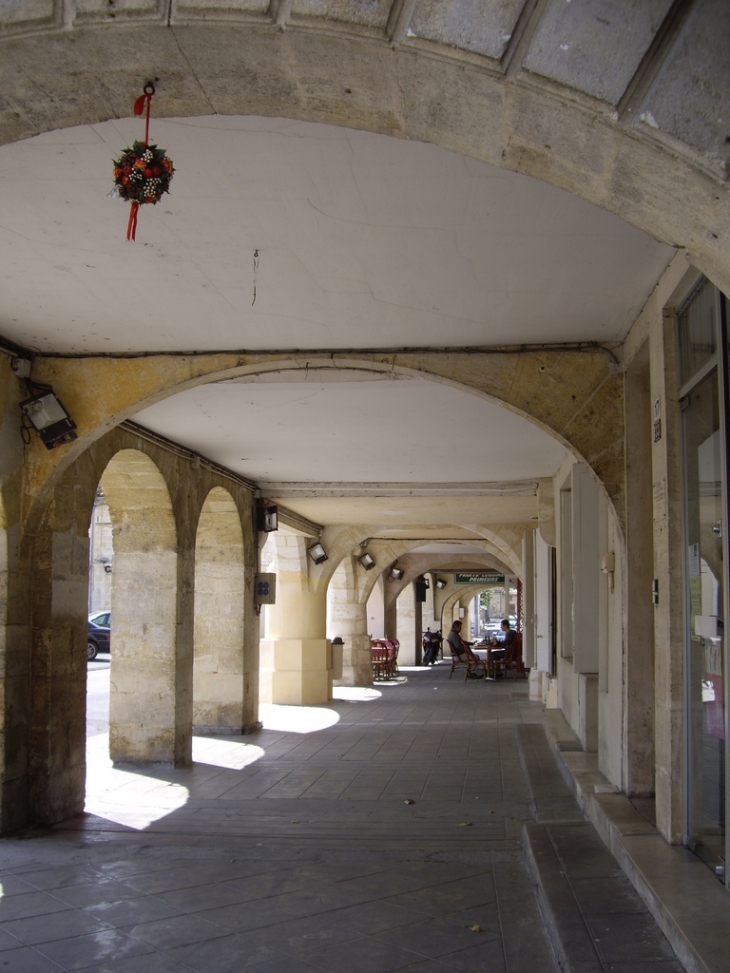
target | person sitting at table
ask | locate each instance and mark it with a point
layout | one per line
(459, 647)
(462, 651)
(508, 641)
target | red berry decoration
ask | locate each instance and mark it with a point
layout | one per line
(147, 165)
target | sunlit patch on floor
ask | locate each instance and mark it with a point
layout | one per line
(356, 694)
(231, 754)
(296, 719)
(125, 795)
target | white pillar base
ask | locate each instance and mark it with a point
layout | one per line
(296, 671)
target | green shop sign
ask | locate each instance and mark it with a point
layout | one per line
(478, 577)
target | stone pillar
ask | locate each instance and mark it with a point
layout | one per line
(350, 623)
(296, 656)
(56, 739)
(668, 571)
(466, 620)
(406, 619)
(218, 678)
(348, 618)
(638, 739)
(150, 700)
(528, 598)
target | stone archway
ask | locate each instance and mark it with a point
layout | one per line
(580, 403)
(147, 706)
(232, 61)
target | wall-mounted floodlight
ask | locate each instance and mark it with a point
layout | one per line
(426, 582)
(396, 574)
(267, 517)
(367, 561)
(317, 553)
(440, 584)
(44, 413)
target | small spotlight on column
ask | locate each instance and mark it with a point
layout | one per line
(48, 417)
(396, 574)
(367, 561)
(267, 517)
(317, 553)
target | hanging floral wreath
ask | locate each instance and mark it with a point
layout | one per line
(143, 173)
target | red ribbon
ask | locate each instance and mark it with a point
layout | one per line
(139, 107)
(132, 225)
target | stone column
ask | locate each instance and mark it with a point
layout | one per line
(56, 767)
(218, 679)
(348, 619)
(406, 620)
(296, 656)
(350, 623)
(466, 620)
(150, 699)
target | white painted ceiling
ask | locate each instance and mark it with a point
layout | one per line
(364, 241)
(404, 431)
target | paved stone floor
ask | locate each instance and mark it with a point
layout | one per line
(379, 832)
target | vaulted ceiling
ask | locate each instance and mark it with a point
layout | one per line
(537, 214)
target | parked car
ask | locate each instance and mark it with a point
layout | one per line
(98, 636)
(493, 629)
(103, 618)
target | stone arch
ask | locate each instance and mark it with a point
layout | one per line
(149, 717)
(585, 413)
(218, 634)
(46, 657)
(452, 98)
(342, 544)
(467, 592)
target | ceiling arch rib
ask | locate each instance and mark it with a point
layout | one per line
(345, 545)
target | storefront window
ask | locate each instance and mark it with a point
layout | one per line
(705, 648)
(697, 331)
(705, 432)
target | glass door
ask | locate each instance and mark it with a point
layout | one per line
(704, 572)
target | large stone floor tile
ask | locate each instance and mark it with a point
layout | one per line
(309, 860)
(52, 926)
(28, 904)
(435, 937)
(178, 930)
(82, 952)
(366, 955)
(24, 959)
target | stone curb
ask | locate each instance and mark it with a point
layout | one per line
(689, 905)
(566, 928)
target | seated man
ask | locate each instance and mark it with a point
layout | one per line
(508, 641)
(460, 648)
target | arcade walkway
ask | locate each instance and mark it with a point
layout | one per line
(379, 832)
